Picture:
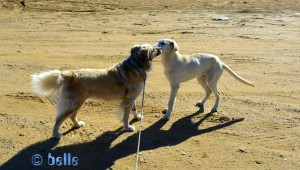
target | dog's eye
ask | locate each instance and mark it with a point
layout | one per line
(162, 43)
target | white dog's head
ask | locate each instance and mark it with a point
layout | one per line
(167, 45)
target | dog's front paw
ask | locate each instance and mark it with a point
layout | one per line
(166, 117)
(164, 111)
(201, 107)
(213, 110)
(129, 129)
(199, 104)
(138, 117)
(79, 124)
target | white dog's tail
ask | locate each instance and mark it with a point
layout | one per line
(48, 83)
(237, 76)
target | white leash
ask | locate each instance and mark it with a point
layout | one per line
(140, 131)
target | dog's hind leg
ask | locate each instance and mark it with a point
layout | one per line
(77, 124)
(203, 82)
(66, 108)
(212, 84)
(59, 120)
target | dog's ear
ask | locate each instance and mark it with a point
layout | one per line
(144, 52)
(174, 46)
(135, 48)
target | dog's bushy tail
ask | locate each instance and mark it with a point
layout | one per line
(47, 83)
(227, 68)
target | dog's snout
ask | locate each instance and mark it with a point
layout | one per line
(157, 45)
(158, 50)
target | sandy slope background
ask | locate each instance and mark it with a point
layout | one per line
(255, 128)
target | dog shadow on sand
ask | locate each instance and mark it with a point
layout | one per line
(98, 154)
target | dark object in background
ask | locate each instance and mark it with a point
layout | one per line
(22, 2)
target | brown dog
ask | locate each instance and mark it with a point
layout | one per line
(123, 81)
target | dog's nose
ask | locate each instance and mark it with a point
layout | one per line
(158, 50)
(157, 46)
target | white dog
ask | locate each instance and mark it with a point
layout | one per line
(206, 68)
(123, 82)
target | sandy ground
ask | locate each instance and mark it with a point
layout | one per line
(255, 128)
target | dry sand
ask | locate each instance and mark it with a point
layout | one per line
(255, 128)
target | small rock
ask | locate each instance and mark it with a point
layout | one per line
(242, 150)
(143, 160)
(221, 19)
(22, 2)
(22, 134)
(259, 162)
(204, 155)
(183, 153)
